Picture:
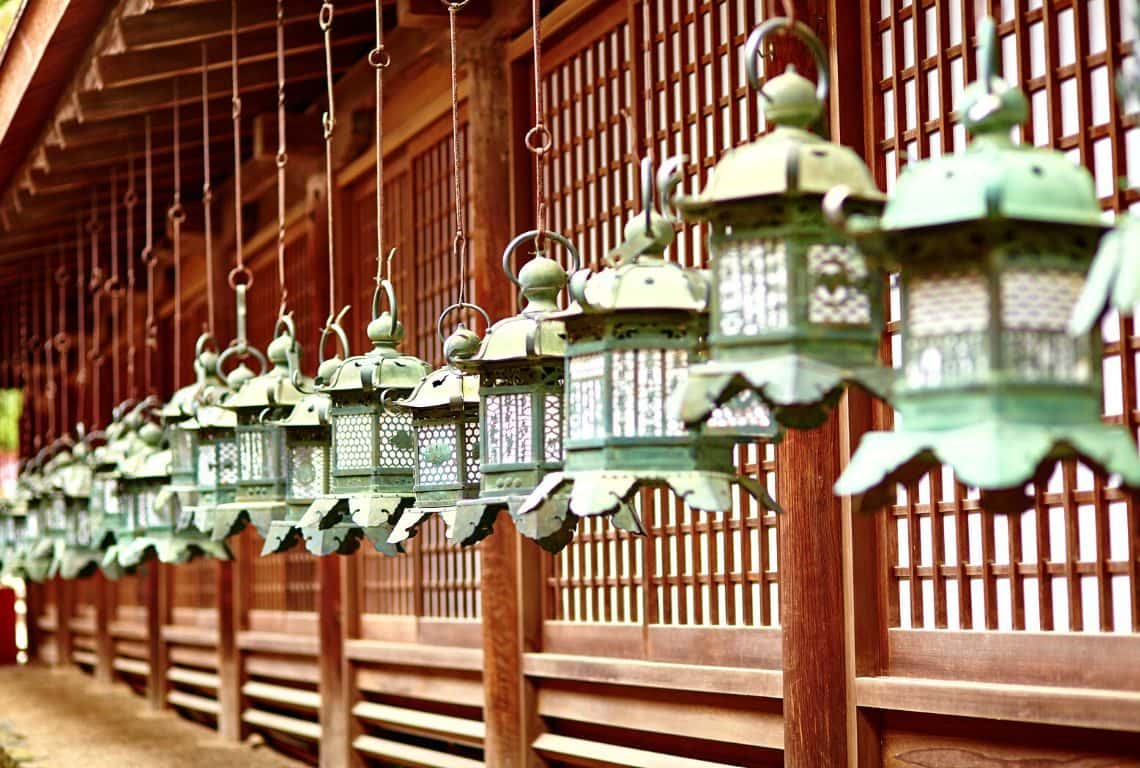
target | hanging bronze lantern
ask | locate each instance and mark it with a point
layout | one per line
(308, 447)
(20, 531)
(795, 310)
(39, 547)
(80, 555)
(991, 245)
(445, 419)
(520, 366)
(372, 444)
(632, 332)
(259, 405)
(207, 389)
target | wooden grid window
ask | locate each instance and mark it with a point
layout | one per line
(1070, 563)
(195, 584)
(436, 271)
(285, 582)
(692, 568)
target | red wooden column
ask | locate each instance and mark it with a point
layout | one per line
(229, 586)
(335, 748)
(826, 552)
(104, 647)
(156, 591)
(63, 610)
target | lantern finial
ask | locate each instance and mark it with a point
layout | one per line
(991, 106)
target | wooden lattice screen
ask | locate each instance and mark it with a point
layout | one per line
(694, 569)
(194, 584)
(1070, 563)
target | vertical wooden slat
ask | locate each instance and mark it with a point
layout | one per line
(335, 747)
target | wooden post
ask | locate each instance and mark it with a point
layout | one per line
(335, 748)
(350, 600)
(63, 610)
(157, 611)
(229, 666)
(33, 608)
(104, 647)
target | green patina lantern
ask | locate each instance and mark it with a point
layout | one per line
(52, 511)
(259, 405)
(16, 533)
(182, 434)
(445, 419)
(108, 502)
(81, 553)
(991, 245)
(795, 309)
(520, 365)
(632, 332)
(308, 445)
(373, 451)
(150, 528)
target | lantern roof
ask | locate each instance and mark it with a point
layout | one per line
(449, 385)
(150, 461)
(211, 417)
(790, 160)
(207, 387)
(993, 178)
(530, 334)
(638, 278)
(73, 479)
(383, 366)
(311, 411)
(273, 388)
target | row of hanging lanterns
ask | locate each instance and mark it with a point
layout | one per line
(654, 371)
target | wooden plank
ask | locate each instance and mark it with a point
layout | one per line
(1109, 661)
(281, 622)
(304, 729)
(1051, 705)
(427, 685)
(85, 658)
(281, 669)
(409, 755)
(413, 655)
(203, 637)
(192, 657)
(280, 694)
(568, 750)
(131, 666)
(274, 642)
(192, 677)
(458, 730)
(183, 700)
(756, 722)
(648, 674)
(748, 647)
(128, 629)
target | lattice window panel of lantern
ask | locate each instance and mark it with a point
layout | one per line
(1070, 563)
(692, 568)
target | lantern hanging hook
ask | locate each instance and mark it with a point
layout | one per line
(455, 307)
(574, 259)
(388, 291)
(806, 36)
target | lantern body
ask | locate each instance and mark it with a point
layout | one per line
(991, 245)
(215, 463)
(259, 405)
(795, 307)
(80, 556)
(633, 332)
(305, 432)
(372, 449)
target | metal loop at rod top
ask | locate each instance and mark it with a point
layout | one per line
(457, 306)
(546, 140)
(379, 58)
(455, 5)
(325, 17)
(242, 272)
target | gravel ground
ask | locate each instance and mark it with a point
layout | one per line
(62, 718)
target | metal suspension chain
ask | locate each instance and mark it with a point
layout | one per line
(380, 60)
(176, 215)
(538, 139)
(240, 271)
(130, 200)
(115, 292)
(282, 159)
(328, 121)
(95, 285)
(207, 196)
(459, 242)
(150, 259)
(62, 343)
(49, 368)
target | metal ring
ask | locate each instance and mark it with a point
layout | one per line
(112, 286)
(204, 340)
(240, 271)
(148, 256)
(93, 226)
(333, 327)
(324, 19)
(245, 353)
(379, 58)
(131, 198)
(455, 5)
(282, 159)
(60, 342)
(798, 29)
(176, 213)
(235, 107)
(329, 123)
(512, 246)
(547, 139)
(390, 292)
(285, 327)
(459, 305)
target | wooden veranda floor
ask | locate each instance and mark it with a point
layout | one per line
(61, 718)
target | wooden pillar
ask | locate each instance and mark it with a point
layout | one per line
(335, 748)
(157, 613)
(229, 664)
(63, 611)
(33, 609)
(104, 647)
(350, 602)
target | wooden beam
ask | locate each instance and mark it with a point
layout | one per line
(336, 746)
(104, 647)
(157, 603)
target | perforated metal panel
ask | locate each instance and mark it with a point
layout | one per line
(352, 440)
(308, 471)
(396, 440)
(836, 272)
(752, 285)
